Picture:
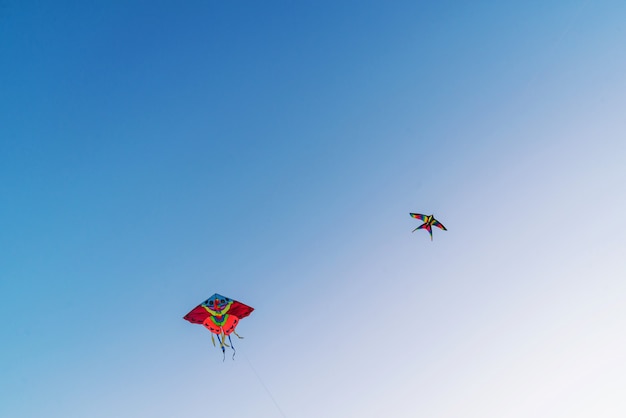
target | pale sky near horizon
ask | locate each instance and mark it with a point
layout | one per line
(155, 153)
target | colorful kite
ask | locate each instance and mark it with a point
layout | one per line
(429, 222)
(220, 315)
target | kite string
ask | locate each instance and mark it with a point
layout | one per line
(265, 387)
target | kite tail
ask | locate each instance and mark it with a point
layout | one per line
(238, 336)
(222, 347)
(213, 339)
(232, 346)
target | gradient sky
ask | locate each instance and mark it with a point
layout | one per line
(153, 153)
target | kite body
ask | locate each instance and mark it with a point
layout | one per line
(220, 315)
(429, 222)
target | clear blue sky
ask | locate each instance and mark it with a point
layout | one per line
(153, 153)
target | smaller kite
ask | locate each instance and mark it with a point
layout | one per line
(429, 222)
(220, 315)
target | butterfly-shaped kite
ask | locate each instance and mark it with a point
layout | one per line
(220, 315)
(429, 222)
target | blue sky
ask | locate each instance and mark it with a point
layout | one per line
(155, 153)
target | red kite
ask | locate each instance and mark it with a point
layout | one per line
(220, 315)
